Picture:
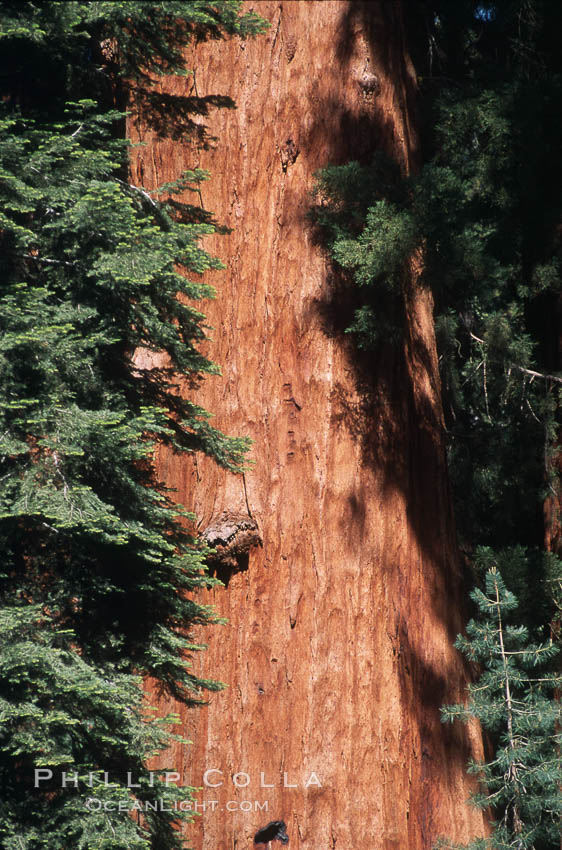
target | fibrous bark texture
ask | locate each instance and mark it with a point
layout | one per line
(338, 648)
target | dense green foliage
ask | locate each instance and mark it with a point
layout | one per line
(495, 268)
(98, 565)
(484, 210)
(515, 700)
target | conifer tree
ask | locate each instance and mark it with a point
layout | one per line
(99, 567)
(514, 698)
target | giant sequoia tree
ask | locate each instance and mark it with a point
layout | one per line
(98, 564)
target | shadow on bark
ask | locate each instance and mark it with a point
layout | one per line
(393, 411)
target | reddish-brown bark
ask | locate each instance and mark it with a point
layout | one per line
(338, 649)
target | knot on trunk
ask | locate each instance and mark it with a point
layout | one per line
(231, 535)
(369, 84)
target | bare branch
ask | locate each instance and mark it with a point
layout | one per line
(47, 260)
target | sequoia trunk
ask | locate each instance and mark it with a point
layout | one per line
(338, 649)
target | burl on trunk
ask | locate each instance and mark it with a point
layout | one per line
(343, 607)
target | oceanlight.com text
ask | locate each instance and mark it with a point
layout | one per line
(159, 805)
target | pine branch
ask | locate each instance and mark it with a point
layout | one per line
(542, 375)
